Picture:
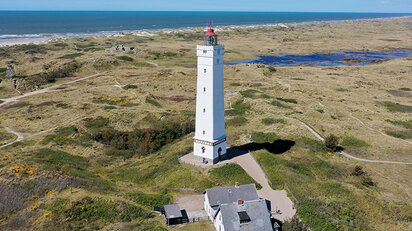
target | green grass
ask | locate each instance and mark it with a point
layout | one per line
(18, 105)
(71, 56)
(261, 137)
(297, 79)
(125, 58)
(241, 105)
(350, 141)
(66, 131)
(287, 100)
(60, 160)
(236, 121)
(150, 200)
(405, 89)
(320, 111)
(3, 69)
(230, 174)
(406, 124)
(235, 84)
(396, 107)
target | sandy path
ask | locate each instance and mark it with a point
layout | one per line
(346, 154)
(44, 90)
(278, 198)
(22, 136)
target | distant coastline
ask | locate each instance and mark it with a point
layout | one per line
(41, 38)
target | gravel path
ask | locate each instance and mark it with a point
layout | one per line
(278, 198)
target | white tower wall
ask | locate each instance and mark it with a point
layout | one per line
(210, 136)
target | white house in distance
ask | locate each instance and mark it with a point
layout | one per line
(237, 208)
(210, 136)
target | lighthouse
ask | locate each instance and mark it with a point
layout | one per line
(210, 136)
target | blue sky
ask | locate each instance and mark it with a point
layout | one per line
(401, 6)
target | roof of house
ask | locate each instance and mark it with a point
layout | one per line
(251, 215)
(172, 211)
(224, 195)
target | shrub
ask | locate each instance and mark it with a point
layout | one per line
(130, 86)
(98, 122)
(294, 224)
(320, 111)
(357, 171)
(400, 134)
(332, 142)
(66, 131)
(3, 69)
(241, 105)
(235, 84)
(405, 89)
(271, 69)
(406, 124)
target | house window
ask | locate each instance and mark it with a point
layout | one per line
(204, 70)
(204, 51)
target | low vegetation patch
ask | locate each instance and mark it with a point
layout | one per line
(268, 121)
(396, 107)
(332, 142)
(151, 200)
(350, 141)
(233, 52)
(254, 94)
(287, 100)
(405, 89)
(405, 134)
(236, 121)
(279, 104)
(152, 101)
(125, 58)
(406, 124)
(142, 64)
(71, 56)
(18, 105)
(130, 86)
(261, 137)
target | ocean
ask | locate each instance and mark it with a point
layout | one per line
(50, 24)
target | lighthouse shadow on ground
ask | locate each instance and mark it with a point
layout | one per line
(277, 147)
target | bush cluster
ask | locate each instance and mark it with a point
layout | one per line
(141, 141)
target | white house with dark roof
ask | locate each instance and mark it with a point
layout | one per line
(237, 208)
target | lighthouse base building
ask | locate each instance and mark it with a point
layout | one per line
(210, 136)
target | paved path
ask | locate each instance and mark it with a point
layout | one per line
(44, 90)
(350, 156)
(278, 198)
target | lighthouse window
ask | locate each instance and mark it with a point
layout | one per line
(204, 110)
(204, 132)
(204, 70)
(204, 51)
(204, 89)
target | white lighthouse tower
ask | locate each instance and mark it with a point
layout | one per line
(210, 136)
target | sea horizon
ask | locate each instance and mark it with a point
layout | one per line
(39, 26)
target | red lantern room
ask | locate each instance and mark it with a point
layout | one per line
(210, 36)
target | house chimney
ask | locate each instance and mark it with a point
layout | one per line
(237, 184)
(239, 202)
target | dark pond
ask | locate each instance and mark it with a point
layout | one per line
(333, 58)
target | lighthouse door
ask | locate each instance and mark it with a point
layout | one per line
(219, 152)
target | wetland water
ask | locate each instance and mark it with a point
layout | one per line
(333, 58)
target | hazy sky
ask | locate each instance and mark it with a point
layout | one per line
(404, 6)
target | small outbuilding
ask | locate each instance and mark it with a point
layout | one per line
(173, 214)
